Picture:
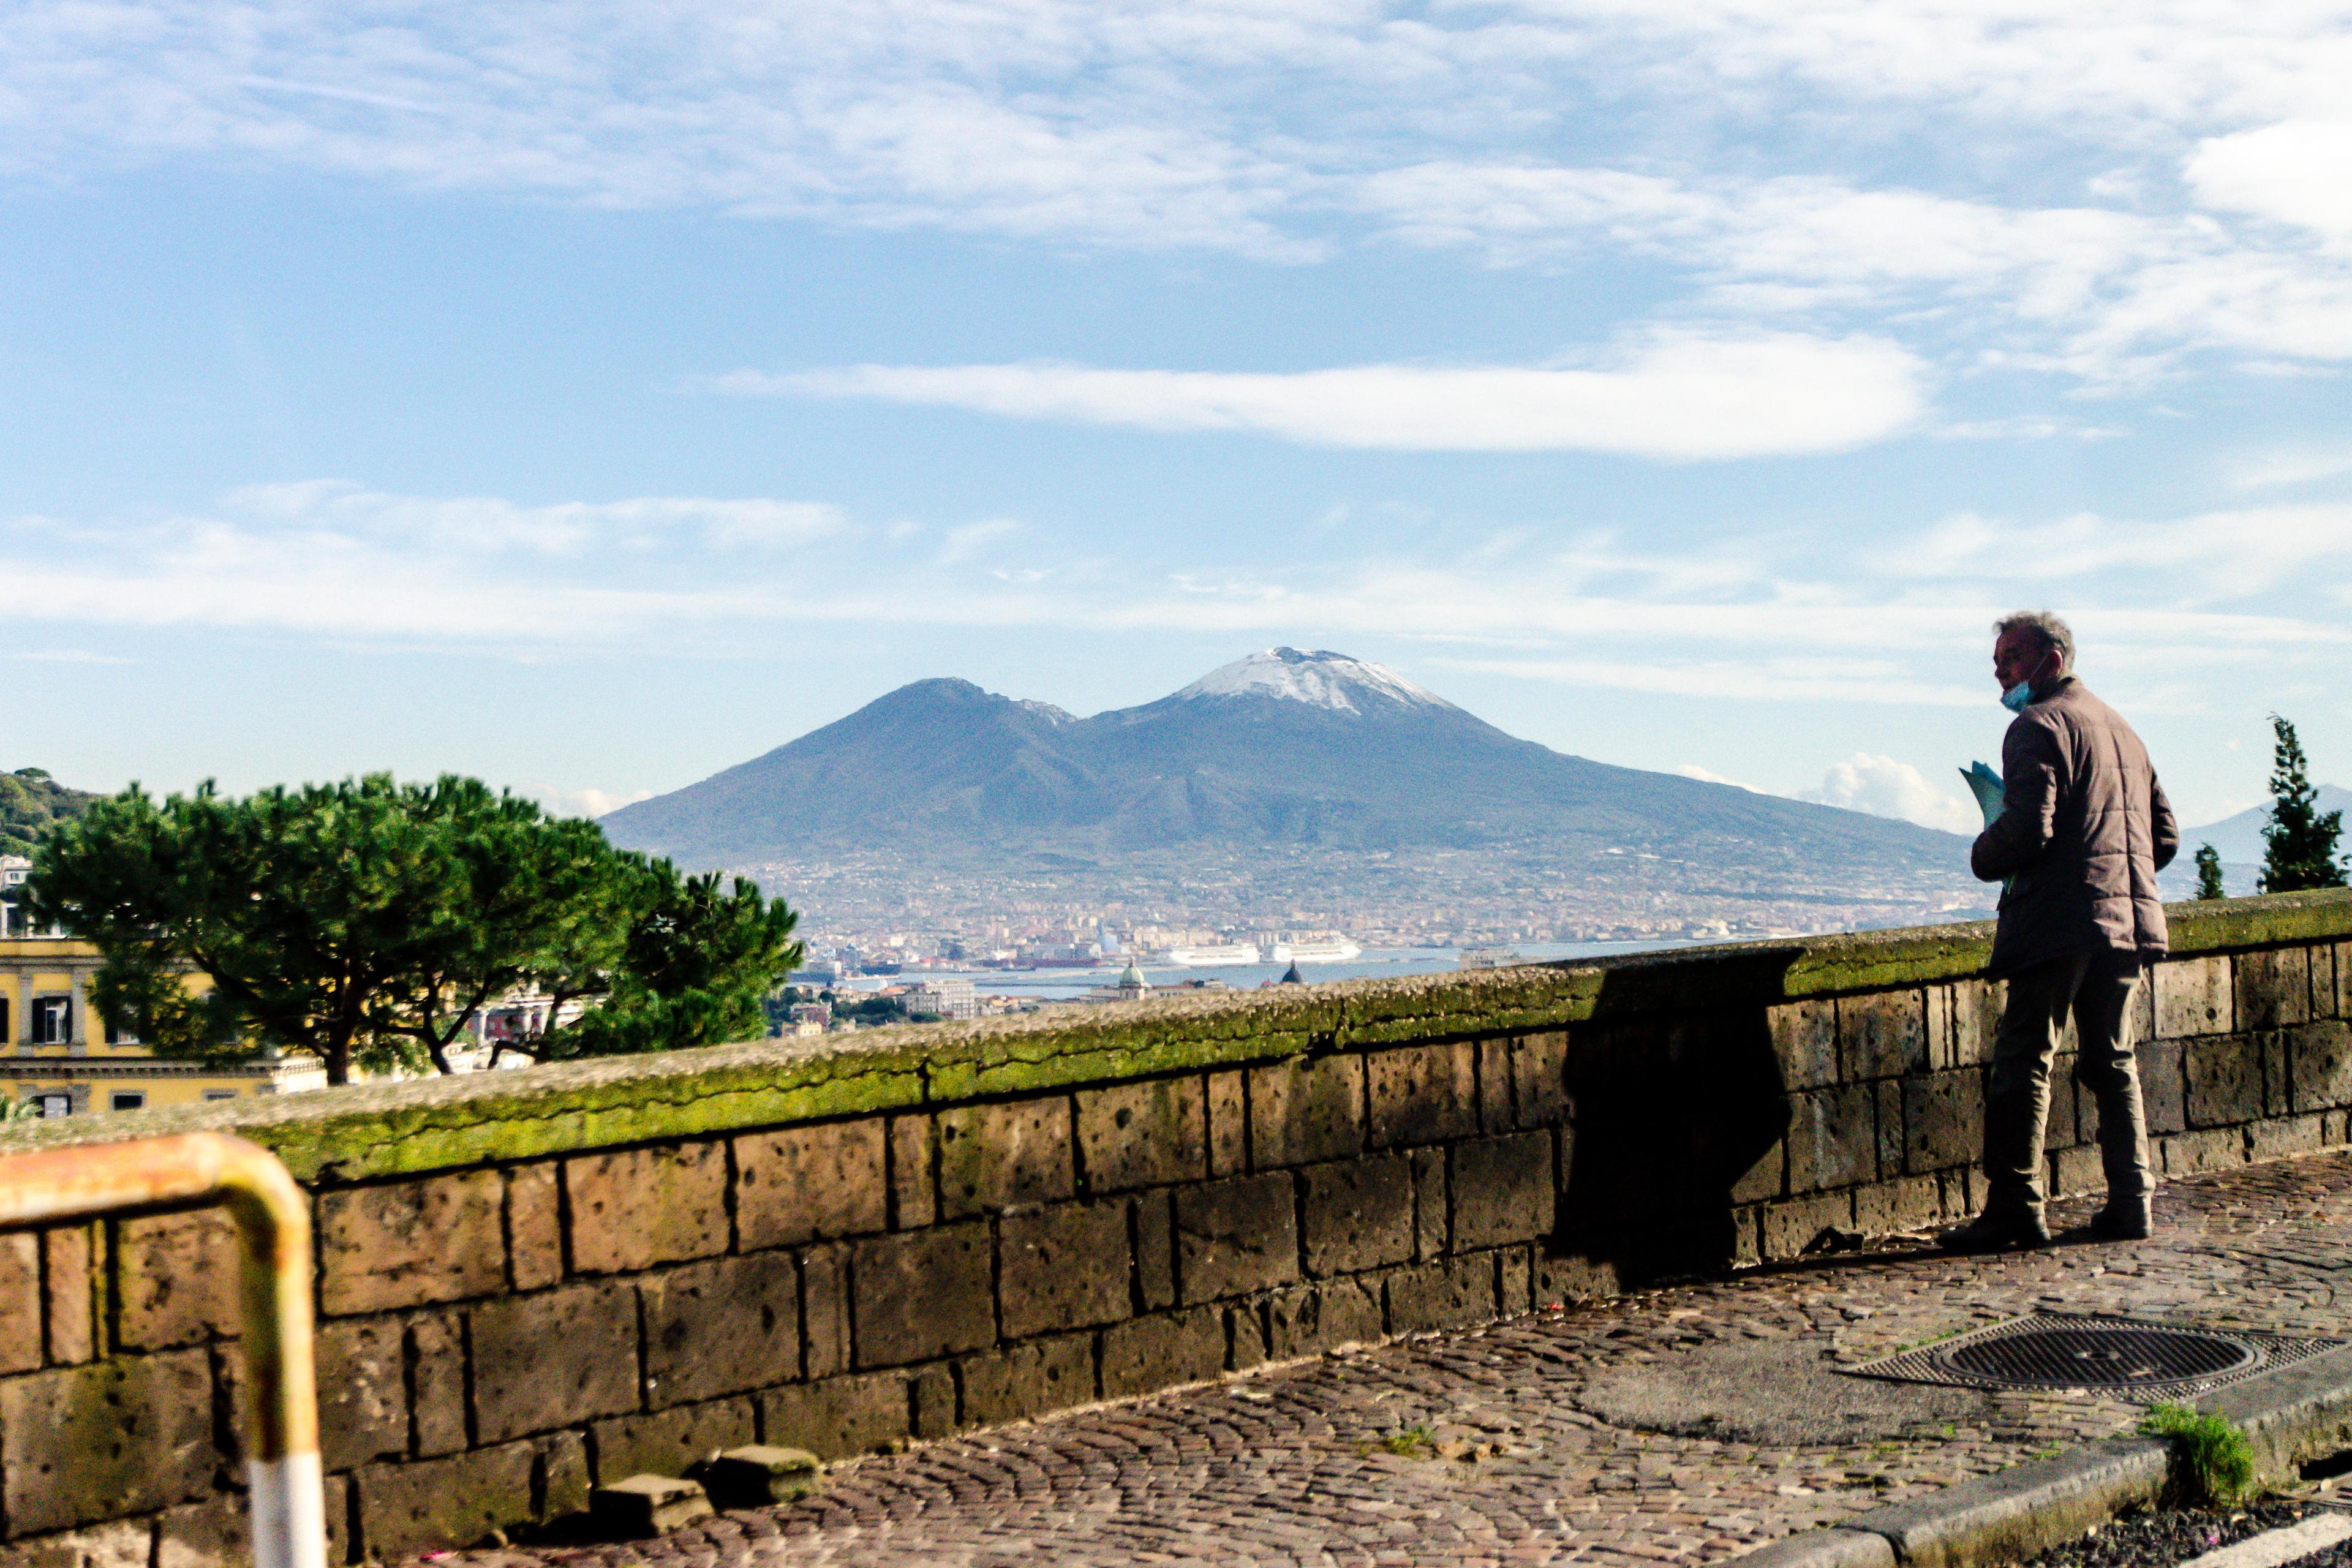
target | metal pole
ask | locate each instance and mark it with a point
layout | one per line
(273, 1224)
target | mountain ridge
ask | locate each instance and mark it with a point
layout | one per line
(1283, 747)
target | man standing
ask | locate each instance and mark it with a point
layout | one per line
(2083, 829)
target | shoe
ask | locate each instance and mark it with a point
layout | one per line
(1996, 1233)
(2123, 1222)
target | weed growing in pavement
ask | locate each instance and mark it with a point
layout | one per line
(1410, 1443)
(2220, 1462)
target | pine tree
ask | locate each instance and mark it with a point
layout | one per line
(2209, 873)
(2299, 845)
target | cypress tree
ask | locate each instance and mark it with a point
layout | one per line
(2299, 845)
(2209, 873)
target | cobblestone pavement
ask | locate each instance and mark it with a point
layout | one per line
(1472, 1447)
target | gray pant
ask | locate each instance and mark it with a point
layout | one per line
(2097, 988)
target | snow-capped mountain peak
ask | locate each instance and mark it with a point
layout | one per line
(1320, 679)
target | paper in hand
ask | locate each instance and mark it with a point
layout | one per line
(1986, 785)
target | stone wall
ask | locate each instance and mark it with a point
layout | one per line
(527, 1281)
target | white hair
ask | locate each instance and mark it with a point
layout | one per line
(2048, 630)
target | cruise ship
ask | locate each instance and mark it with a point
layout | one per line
(1338, 951)
(1221, 953)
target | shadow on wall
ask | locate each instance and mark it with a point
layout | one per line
(1671, 1116)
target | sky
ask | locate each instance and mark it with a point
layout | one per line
(592, 396)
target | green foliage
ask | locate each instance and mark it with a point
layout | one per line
(363, 922)
(2299, 845)
(2209, 873)
(2219, 1461)
(31, 802)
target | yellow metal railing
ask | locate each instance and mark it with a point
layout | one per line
(273, 1225)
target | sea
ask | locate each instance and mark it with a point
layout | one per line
(1372, 963)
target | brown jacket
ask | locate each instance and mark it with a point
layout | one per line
(2083, 829)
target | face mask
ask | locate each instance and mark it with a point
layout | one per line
(2018, 698)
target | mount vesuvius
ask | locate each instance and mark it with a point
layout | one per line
(1280, 749)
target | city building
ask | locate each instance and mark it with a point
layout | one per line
(68, 1062)
(945, 997)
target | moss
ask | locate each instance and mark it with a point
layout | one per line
(383, 1129)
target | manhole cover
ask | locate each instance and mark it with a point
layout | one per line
(2140, 1361)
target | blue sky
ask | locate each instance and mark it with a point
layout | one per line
(592, 396)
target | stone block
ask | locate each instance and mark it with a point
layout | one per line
(1502, 1191)
(1306, 1109)
(1063, 1268)
(914, 1174)
(1022, 1380)
(176, 1275)
(997, 1156)
(720, 1327)
(1906, 1204)
(436, 1360)
(363, 1392)
(2287, 1135)
(218, 1533)
(2319, 1058)
(1943, 1121)
(668, 1442)
(2273, 989)
(1788, 1229)
(1804, 1038)
(71, 1285)
(1356, 1214)
(1235, 1236)
(2186, 1153)
(89, 1443)
(2075, 1171)
(1245, 1336)
(1423, 1094)
(639, 1508)
(1144, 1355)
(553, 1359)
(2343, 1007)
(412, 1243)
(1451, 1294)
(120, 1543)
(931, 1394)
(758, 1476)
(2163, 1089)
(824, 1307)
(1882, 1033)
(1494, 1069)
(810, 1182)
(1539, 1079)
(2193, 997)
(1143, 1134)
(1308, 1320)
(1565, 1278)
(1155, 1251)
(1430, 1212)
(1767, 1178)
(2277, 1092)
(921, 1294)
(20, 1301)
(2223, 1076)
(564, 1480)
(1833, 1138)
(1976, 1007)
(535, 1224)
(1228, 1124)
(643, 1206)
(839, 1417)
(418, 1507)
(1890, 1130)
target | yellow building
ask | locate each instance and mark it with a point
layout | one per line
(71, 1063)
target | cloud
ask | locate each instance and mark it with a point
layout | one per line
(589, 803)
(1884, 786)
(2230, 553)
(2296, 172)
(1683, 396)
(1704, 775)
